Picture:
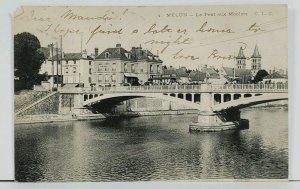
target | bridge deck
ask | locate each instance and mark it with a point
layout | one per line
(203, 88)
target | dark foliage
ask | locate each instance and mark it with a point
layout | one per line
(27, 60)
(260, 75)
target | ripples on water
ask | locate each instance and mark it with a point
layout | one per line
(152, 148)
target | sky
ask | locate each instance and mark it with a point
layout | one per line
(189, 36)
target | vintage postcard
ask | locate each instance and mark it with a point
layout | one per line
(153, 93)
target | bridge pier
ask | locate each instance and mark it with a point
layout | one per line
(209, 121)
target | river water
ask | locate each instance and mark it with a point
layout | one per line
(152, 148)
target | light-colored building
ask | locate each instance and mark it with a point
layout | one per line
(117, 66)
(69, 68)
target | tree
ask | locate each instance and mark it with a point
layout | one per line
(260, 75)
(27, 60)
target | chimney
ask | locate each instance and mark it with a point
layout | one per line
(96, 52)
(118, 45)
(84, 54)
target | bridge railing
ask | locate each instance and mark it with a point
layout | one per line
(152, 88)
(279, 87)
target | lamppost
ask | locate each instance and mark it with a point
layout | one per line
(57, 59)
(52, 62)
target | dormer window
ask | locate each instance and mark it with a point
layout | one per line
(128, 55)
(106, 54)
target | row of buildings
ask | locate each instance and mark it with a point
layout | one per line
(117, 66)
(112, 67)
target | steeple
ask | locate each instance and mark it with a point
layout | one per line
(241, 60)
(255, 61)
(256, 53)
(241, 54)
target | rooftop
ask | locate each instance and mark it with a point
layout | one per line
(241, 54)
(256, 53)
(238, 72)
(274, 75)
(69, 56)
(197, 76)
(135, 54)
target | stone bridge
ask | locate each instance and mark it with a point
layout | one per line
(217, 104)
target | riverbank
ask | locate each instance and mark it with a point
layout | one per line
(48, 118)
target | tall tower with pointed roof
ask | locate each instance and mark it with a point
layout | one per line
(241, 60)
(255, 61)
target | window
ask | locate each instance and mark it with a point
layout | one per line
(100, 78)
(114, 67)
(100, 67)
(125, 67)
(142, 70)
(74, 69)
(151, 68)
(107, 78)
(107, 55)
(74, 61)
(106, 67)
(67, 70)
(90, 63)
(113, 78)
(90, 80)
(132, 67)
(67, 62)
(90, 71)
(157, 68)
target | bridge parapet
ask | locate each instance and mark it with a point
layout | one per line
(203, 88)
(252, 88)
(140, 89)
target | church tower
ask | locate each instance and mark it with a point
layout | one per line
(255, 61)
(241, 60)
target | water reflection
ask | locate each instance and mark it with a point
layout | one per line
(151, 148)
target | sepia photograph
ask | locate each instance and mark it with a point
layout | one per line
(151, 93)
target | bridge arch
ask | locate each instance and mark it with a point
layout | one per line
(250, 101)
(119, 97)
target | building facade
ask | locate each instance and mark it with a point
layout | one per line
(69, 68)
(117, 66)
